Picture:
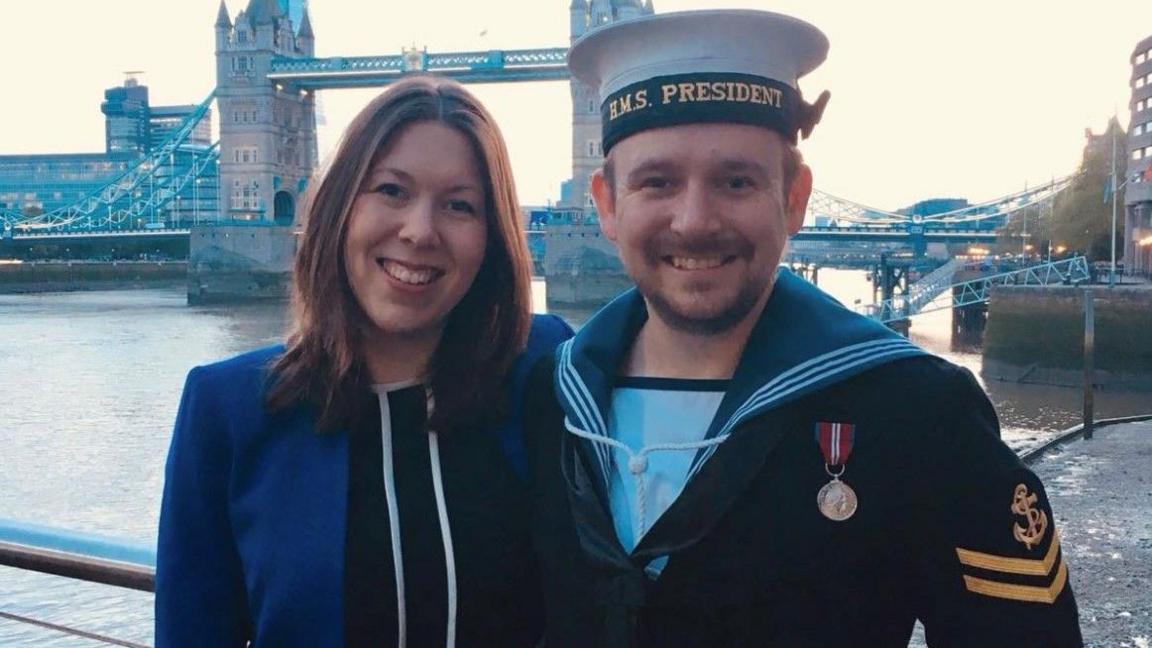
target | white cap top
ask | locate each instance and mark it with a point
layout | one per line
(701, 47)
(747, 41)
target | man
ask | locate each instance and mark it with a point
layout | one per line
(725, 456)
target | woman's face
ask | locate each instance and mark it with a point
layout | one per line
(417, 231)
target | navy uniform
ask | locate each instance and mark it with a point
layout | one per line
(841, 485)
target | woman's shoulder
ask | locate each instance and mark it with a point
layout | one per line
(547, 332)
(251, 367)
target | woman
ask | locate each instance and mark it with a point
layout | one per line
(356, 486)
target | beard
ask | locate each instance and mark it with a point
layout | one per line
(721, 317)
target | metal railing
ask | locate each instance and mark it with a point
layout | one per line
(93, 558)
(1067, 271)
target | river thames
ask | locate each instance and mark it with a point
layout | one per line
(90, 384)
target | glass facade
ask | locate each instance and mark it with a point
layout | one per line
(34, 184)
(126, 118)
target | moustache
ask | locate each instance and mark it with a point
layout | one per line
(668, 244)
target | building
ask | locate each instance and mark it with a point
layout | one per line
(587, 153)
(125, 111)
(1137, 252)
(164, 121)
(31, 185)
(132, 124)
(34, 184)
(294, 9)
(267, 131)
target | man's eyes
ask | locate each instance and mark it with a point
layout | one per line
(740, 182)
(655, 182)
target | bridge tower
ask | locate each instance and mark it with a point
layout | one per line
(267, 131)
(587, 153)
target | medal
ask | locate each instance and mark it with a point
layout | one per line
(836, 500)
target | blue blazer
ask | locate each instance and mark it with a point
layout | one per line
(252, 524)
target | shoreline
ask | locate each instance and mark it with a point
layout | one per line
(36, 277)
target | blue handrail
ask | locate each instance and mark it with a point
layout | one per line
(84, 556)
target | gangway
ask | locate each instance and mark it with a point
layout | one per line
(922, 295)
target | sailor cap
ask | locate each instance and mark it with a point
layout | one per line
(738, 66)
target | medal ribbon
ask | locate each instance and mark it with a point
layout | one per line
(835, 441)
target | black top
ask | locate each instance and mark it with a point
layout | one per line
(495, 576)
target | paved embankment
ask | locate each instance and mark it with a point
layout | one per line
(1101, 494)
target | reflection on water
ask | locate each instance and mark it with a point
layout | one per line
(90, 384)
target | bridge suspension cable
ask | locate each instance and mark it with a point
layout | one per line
(140, 190)
(846, 211)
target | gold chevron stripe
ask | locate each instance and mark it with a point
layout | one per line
(1023, 566)
(1025, 593)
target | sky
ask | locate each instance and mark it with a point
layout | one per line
(973, 99)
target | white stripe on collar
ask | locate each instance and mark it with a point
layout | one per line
(584, 405)
(774, 392)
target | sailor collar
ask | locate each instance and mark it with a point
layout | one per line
(804, 341)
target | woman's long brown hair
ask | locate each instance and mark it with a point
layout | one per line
(323, 364)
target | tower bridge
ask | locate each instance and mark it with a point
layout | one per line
(267, 76)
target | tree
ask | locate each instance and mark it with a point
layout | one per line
(1082, 217)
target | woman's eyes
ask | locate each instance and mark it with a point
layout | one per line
(397, 193)
(462, 206)
(390, 190)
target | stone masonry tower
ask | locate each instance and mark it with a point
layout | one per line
(267, 131)
(587, 154)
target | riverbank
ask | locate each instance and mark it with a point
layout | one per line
(73, 276)
(1036, 334)
(1101, 494)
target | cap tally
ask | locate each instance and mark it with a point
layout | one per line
(734, 66)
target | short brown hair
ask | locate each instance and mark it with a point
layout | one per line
(323, 364)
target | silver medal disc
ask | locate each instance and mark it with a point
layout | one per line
(836, 500)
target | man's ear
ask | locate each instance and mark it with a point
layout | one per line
(798, 195)
(605, 201)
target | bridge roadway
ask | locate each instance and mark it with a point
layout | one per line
(496, 66)
(826, 234)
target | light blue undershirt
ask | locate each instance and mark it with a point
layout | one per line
(647, 412)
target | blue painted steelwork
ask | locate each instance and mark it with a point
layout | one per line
(133, 197)
(846, 212)
(42, 235)
(495, 66)
(894, 234)
(81, 544)
(921, 298)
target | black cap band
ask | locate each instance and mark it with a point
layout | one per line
(701, 97)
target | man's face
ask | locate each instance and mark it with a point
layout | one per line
(701, 216)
